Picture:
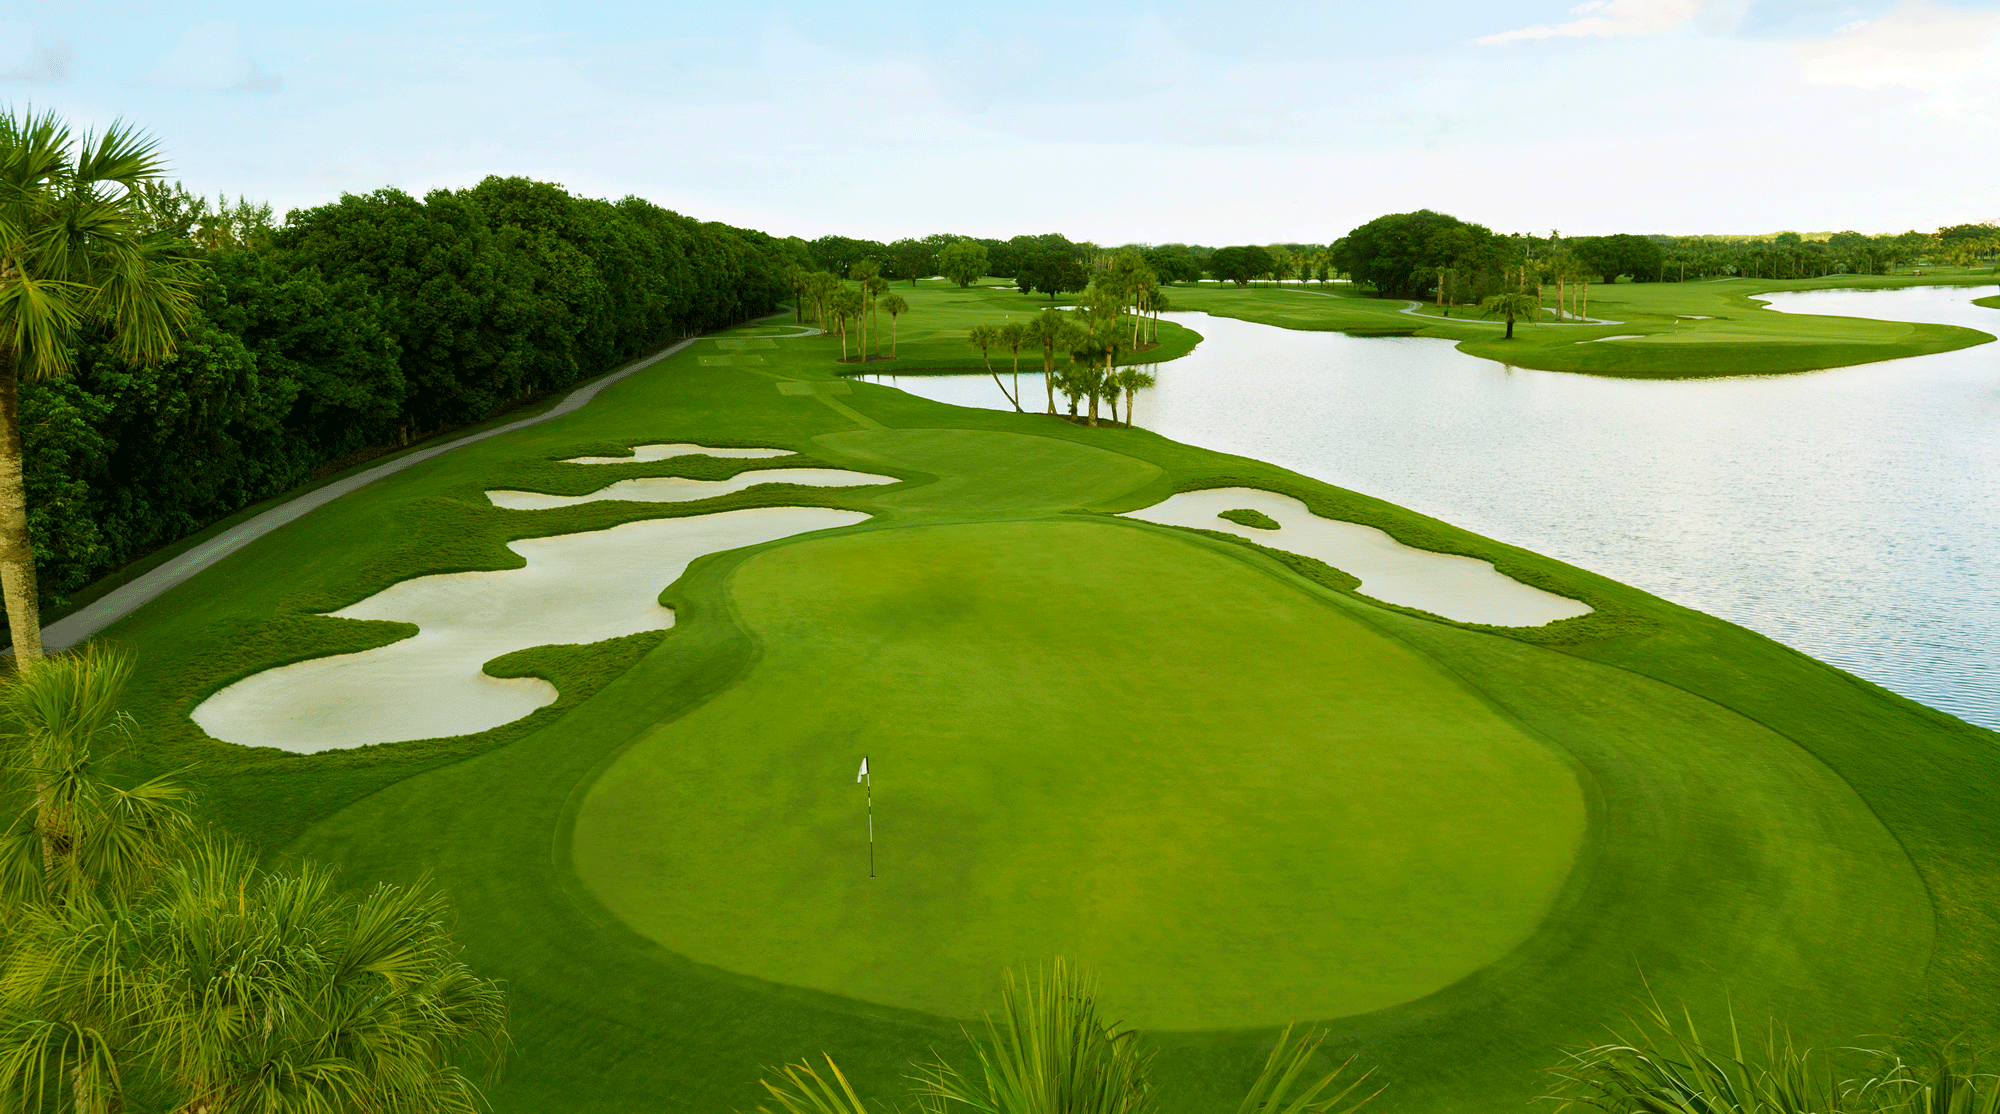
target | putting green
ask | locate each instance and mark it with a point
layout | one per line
(1255, 807)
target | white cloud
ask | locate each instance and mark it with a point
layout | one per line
(211, 57)
(1915, 45)
(24, 57)
(1603, 18)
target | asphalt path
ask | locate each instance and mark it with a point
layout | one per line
(79, 626)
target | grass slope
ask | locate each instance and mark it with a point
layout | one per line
(1682, 330)
(1754, 821)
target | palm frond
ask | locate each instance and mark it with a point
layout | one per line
(1049, 1052)
(1271, 1093)
(802, 1090)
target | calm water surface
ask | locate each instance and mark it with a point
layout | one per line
(1852, 513)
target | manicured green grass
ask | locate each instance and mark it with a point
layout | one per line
(1072, 718)
(1684, 330)
(1251, 517)
(1186, 824)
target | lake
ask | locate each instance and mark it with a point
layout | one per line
(1851, 513)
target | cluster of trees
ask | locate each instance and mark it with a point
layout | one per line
(147, 964)
(826, 298)
(963, 259)
(1793, 255)
(1049, 263)
(1434, 255)
(362, 323)
(1119, 314)
(1402, 254)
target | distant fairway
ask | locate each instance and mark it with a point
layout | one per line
(1676, 330)
(1238, 803)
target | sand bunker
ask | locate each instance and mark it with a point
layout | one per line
(576, 588)
(677, 489)
(1621, 336)
(1462, 588)
(645, 453)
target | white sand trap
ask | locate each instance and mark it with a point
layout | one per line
(576, 588)
(1462, 588)
(678, 489)
(1620, 336)
(644, 453)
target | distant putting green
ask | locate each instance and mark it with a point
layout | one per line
(1260, 809)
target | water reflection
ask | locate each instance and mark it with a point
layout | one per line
(1850, 513)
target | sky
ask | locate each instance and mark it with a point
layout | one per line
(1108, 121)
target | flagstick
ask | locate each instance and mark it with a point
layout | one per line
(871, 826)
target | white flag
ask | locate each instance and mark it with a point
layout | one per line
(863, 775)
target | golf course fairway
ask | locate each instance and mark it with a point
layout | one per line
(1210, 770)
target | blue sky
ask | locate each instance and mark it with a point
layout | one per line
(1114, 122)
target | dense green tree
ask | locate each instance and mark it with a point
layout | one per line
(913, 259)
(1239, 265)
(839, 254)
(1625, 254)
(1174, 263)
(963, 262)
(1052, 269)
(1400, 254)
(73, 255)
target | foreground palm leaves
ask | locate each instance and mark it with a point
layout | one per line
(1664, 1067)
(143, 964)
(1051, 1052)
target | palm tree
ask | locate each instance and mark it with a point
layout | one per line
(895, 307)
(1012, 336)
(128, 948)
(873, 287)
(1510, 306)
(795, 281)
(1050, 1051)
(845, 305)
(984, 338)
(1047, 327)
(1075, 340)
(77, 832)
(1130, 380)
(72, 256)
(861, 272)
(231, 987)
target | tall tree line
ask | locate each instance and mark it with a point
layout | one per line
(369, 321)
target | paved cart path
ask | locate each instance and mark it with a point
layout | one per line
(113, 606)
